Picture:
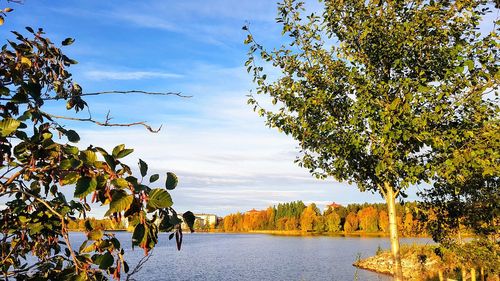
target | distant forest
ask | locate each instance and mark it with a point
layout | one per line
(353, 218)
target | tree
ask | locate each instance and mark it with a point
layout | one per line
(351, 222)
(383, 221)
(309, 218)
(332, 222)
(36, 166)
(368, 219)
(403, 81)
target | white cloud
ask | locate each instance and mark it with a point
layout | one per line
(127, 75)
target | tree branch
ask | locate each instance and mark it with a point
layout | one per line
(63, 225)
(115, 92)
(11, 179)
(137, 92)
(106, 123)
(139, 266)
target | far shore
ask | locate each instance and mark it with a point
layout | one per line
(285, 233)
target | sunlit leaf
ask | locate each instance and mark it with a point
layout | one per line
(121, 201)
(159, 198)
(8, 126)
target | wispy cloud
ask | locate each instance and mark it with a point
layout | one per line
(127, 75)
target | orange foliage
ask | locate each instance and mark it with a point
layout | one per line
(351, 222)
(368, 219)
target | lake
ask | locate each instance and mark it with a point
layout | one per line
(215, 257)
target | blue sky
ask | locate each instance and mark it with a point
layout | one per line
(225, 157)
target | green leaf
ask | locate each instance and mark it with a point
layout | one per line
(95, 234)
(89, 157)
(8, 126)
(88, 248)
(72, 136)
(171, 181)
(139, 235)
(84, 186)
(71, 149)
(35, 228)
(154, 178)
(70, 164)
(469, 64)
(120, 183)
(159, 198)
(120, 201)
(104, 261)
(117, 149)
(143, 167)
(110, 160)
(68, 41)
(124, 153)
(189, 219)
(70, 178)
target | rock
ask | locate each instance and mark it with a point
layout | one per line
(415, 266)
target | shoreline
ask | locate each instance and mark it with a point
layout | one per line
(284, 233)
(314, 234)
(414, 265)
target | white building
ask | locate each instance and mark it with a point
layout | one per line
(206, 219)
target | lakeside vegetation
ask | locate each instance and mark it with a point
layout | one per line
(296, 217)
(469, 261)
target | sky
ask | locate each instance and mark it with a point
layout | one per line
(226, 159)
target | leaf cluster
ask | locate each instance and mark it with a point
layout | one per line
(40, 160)
(379, 93)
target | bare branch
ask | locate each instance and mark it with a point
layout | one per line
(116, 92)
(139, 266)
(137, 92)
(3, 186)
(106, 123)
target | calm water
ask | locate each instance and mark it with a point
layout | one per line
(215, 257)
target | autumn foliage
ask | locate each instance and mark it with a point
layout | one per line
(353, 218)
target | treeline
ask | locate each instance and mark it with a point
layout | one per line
(353, 218)
(103, 224)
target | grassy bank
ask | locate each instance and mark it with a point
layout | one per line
(425, 262)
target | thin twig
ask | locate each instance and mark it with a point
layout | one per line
(15, 272)
(114, 92)
(139, 266)
(138, 92)
(106, 123)
(11, 179)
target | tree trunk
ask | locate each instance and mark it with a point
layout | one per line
(393, 232)
(464, 274)
(441, 276)
(473, 274)
(482, 274)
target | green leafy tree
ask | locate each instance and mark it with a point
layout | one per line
(376, 92)
(39, 160)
